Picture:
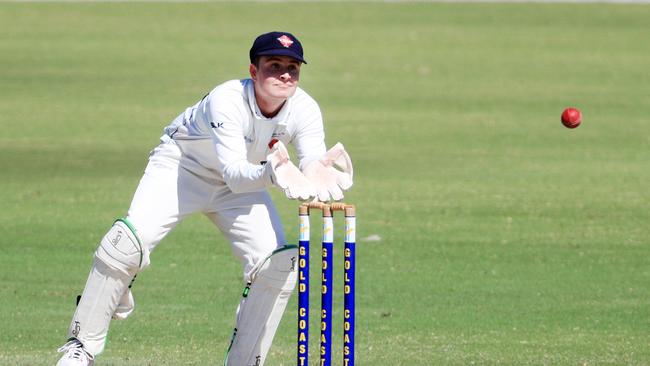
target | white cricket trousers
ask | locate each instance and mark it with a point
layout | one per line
(178, 182)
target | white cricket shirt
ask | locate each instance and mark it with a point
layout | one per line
(229, 115)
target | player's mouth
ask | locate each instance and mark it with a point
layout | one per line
(285, 85)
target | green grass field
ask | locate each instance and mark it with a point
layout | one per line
(506, 239)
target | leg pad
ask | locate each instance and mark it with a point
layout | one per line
(262, 306)
(121, 249)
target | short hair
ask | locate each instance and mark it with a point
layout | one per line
(256, 61)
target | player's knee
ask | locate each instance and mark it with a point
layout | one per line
(279, 269)
(121, 249)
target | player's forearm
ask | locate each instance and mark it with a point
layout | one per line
(243, 176)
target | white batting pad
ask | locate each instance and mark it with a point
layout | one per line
(261, 309)
(106, 294)
(104, 288)
(121, 249)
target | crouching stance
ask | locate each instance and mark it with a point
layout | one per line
(218, 157)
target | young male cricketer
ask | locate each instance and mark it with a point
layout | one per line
(218, 157)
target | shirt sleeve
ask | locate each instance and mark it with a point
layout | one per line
(309, 138)
(227, 132)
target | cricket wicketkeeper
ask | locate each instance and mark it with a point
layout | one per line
(218, 157)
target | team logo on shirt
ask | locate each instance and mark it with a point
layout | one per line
(285, 41)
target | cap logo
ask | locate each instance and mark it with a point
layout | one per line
(285, 41)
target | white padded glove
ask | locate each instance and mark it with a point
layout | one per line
(287, 176)
(331, 174)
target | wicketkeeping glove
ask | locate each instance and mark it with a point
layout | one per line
(331, 174)
(287, 176)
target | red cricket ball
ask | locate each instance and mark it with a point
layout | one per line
(571, 117)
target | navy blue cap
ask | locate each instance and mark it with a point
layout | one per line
(277, 44)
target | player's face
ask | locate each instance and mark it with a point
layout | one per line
(276, 77)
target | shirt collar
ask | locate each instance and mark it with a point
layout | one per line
(280, 118)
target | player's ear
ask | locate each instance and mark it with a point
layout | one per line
(252, 69)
